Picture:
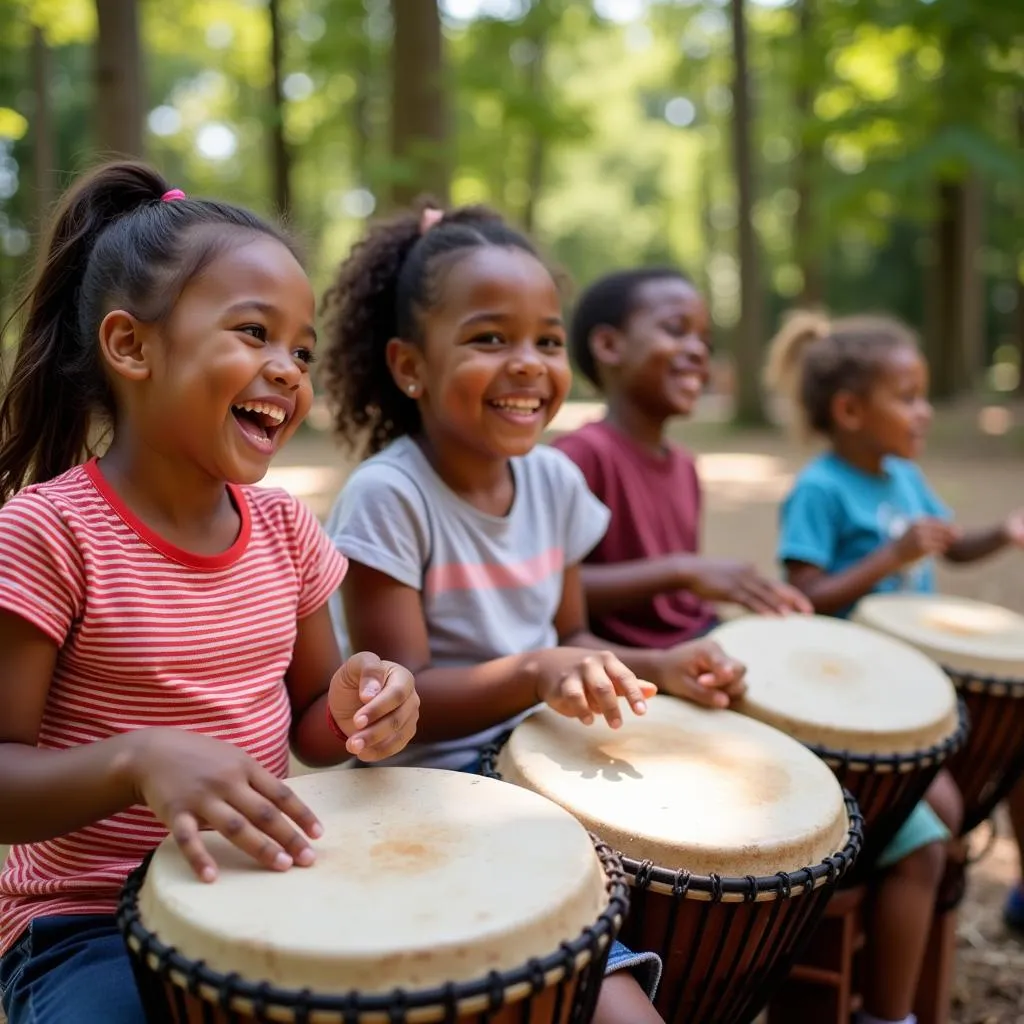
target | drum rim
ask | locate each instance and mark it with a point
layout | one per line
(716, 888)
(900, 762)
(978, 682)
(232, 988)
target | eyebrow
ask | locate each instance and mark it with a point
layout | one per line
(477, 318)
(267, 310)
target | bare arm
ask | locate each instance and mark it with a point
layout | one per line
(571, 625)
(617, 585)
(978, 544)
(314, 662)
(386, 617)
(47, 793)
(832, 592)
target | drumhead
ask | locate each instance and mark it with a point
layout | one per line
(685, 787)
(963, 635)
(423, 877)
(839, 685)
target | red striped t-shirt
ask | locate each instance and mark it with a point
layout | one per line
(150, 635)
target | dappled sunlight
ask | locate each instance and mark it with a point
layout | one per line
(995, 420)
(737, 477)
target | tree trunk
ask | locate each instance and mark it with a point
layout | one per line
(972, 354)
(280, 158)
(535, 161)
(419, 117)
(43, 159)
(120, 93)
(1020, 265)
(956, 352)
(944, 286)
(749, 407)
(807, 162)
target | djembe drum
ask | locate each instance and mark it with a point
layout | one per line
(882, 715)
(981, 647)
(436, 896)
(732, 835)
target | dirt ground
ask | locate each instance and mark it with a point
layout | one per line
(744, 476)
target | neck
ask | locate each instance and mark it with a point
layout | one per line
(646, 428)
(166, 493)
(480, 479)
(868, 460)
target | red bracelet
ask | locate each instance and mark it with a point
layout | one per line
(332, 724)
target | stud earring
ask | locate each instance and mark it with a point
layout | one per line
(412, 389)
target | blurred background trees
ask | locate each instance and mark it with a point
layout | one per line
(862, 154)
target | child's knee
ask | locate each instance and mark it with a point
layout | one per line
(945, 800)
(925, 866)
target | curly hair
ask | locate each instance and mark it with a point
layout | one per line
(609, 302)
(389, 280)
(812, 358)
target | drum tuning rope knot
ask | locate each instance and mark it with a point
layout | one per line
(303, 1007)
(751, 894)
(495, 991)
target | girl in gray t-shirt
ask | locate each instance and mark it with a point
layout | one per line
(446, 356)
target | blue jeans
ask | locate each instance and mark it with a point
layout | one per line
(70, 970)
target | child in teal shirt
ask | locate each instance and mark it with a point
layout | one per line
(861, 519)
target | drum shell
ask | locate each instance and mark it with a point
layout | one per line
(725, 943)
(991, 761)
(560, 988)
(888, 787)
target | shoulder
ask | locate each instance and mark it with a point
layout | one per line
(51, 511)
(820, 483)
(822, 473)
(905, 470)
(551, 467)
(400, 468)
(279, 509)
(589, 439)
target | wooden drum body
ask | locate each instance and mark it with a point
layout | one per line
(981, 648)
(882, 716)
(732, 835)
(436, 896)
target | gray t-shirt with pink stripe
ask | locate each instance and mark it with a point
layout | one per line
(490, 585)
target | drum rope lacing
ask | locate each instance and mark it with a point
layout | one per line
(231, 989)
(937, 753)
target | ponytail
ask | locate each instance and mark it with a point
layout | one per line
(812, 358)
(787, 352)
(112, 244)
(381, 291)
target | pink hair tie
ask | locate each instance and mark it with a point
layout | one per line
(172, 194)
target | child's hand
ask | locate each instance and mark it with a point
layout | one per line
(742, 584)
(193, 782)
(1014, 528)
(923, 538)
(375, 704)
(580, 683)
(702, 672)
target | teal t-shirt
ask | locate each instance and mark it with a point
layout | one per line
(836, 515)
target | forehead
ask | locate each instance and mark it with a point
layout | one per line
(668, 296)
(498, 279)
(904, 362)
(256, 267)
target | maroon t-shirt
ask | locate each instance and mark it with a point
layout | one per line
(655, 506)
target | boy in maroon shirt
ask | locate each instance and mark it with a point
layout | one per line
(641, 336)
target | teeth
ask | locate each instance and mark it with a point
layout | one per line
(275, 413)
(518, 404)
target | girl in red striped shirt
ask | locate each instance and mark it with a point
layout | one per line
(163, 622)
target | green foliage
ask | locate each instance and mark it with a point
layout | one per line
(612, 138)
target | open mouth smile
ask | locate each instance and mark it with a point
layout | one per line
(260, 422)
(518, 408)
